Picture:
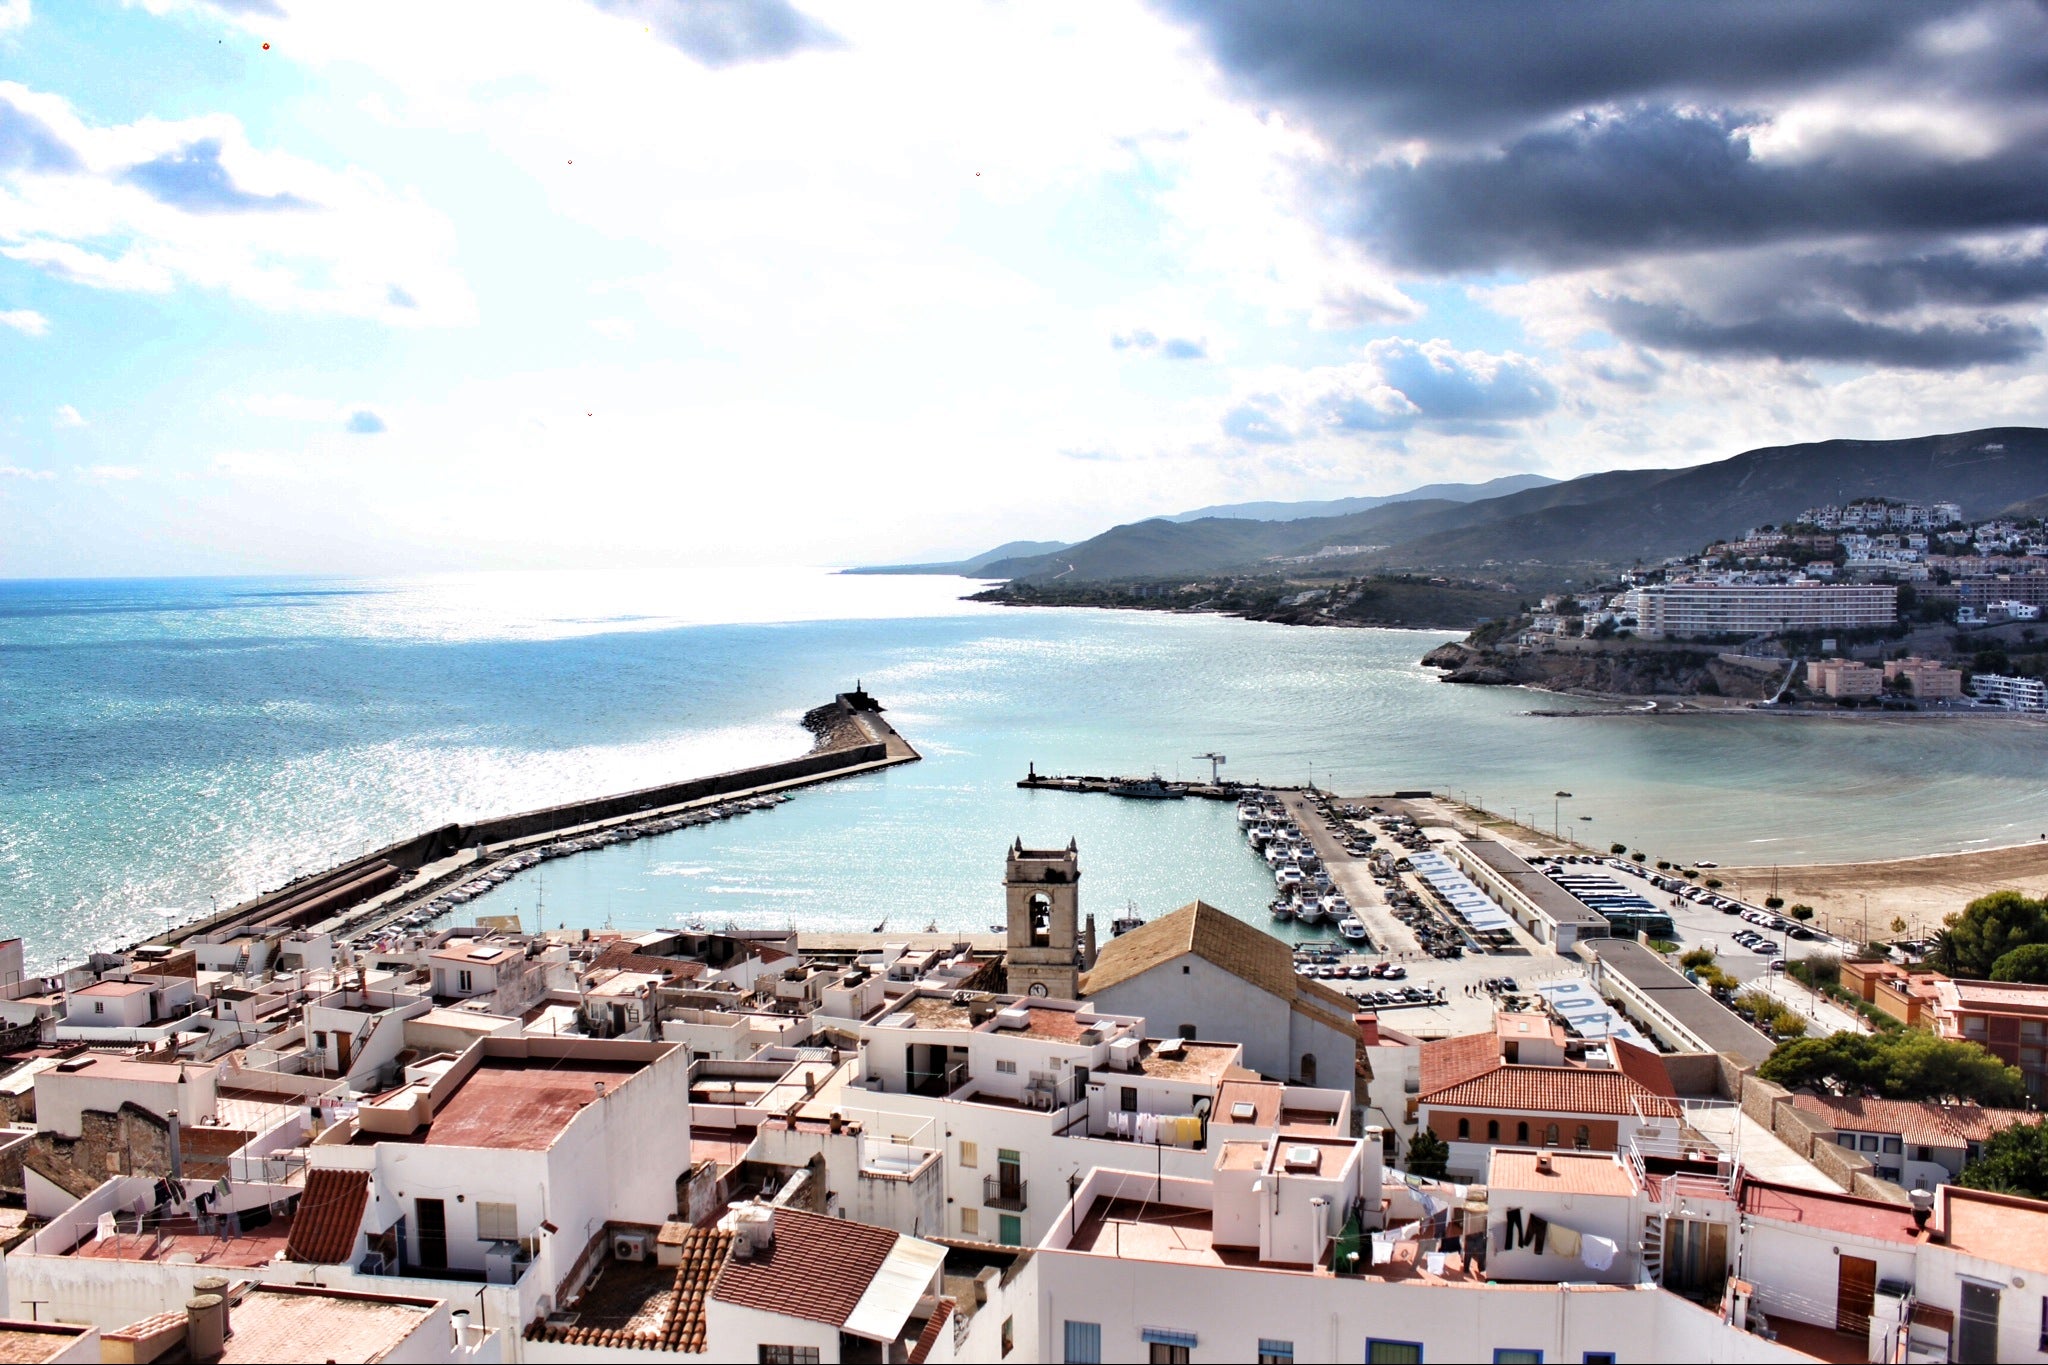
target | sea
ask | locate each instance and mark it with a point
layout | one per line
(168, 746)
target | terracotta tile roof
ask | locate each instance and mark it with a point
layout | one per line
(1222, 939)
(930, 1336)
(1569, 1173)
(1923, 1123)
(1552, 1090)
(1451, 1061)
(817, 1269)
(679, 1325)
(623, 955)
(329, 1217)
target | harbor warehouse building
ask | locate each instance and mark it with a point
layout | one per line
(1709, 607)
(1202, 973)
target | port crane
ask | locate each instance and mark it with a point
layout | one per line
(1216, 761)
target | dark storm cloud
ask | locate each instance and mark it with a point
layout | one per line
(721, 33)
(27, 143)
(1490, 66)
(1532, 137)
(1652, 181)
(193, 179)
(1834, 336)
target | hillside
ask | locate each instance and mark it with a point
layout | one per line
(1613, 517)
(969, 568)
(1342, 507)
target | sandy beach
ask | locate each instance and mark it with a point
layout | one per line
(1918, 890)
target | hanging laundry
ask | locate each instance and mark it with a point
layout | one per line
(1529, 1234)
(1564, 1241)
(1597, 1252)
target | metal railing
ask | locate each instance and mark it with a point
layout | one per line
(998, 1193)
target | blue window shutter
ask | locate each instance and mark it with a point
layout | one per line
(1160, 1336)
(1084, 1343)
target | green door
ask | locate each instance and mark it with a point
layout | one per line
(1010, 1229)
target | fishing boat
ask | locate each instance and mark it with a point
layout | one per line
(1127, 921)
(1352, 928)
(1153, 788)
(1282, 908)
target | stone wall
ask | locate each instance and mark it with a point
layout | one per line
(129, 1141)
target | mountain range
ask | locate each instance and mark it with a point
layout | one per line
(1342, 507)
(1616, 517)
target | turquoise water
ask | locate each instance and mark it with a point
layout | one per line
(164, 744)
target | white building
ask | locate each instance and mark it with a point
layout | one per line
(2018, 694)
(1203, 973)
(1706, 607)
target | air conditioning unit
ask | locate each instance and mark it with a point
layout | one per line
(629, 1246)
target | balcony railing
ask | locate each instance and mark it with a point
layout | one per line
(999, 1193)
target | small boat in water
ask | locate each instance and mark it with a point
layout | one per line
(1352, 928)
(1311, 911)
(1287, 878)
(1261, 834)
(1282, 908)
(1153, 788)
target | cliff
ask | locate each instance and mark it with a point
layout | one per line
(1613, 670)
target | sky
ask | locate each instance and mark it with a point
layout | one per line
(393, 287)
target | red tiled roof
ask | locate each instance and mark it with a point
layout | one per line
(1552, 1090)
(623, 956)
(682, 1325)
(817, 1268)
(1923, 1123)
(1449, 1061)
(330, 1214)
(930, 1336)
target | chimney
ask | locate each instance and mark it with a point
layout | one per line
(838, 1121)
(206, 1326)
(1368, 1028)
(1543, 1164)
(177, 1151)
(599, 1087)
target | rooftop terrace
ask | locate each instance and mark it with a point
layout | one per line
(514, 1103)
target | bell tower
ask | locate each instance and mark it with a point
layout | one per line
(1042, 894)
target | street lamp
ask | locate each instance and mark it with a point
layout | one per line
(1556, 820)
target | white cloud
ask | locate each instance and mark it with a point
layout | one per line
(67, 416)
(26, 321)
(110, 473)
(150, 205)
(13, 14)
(10, 471)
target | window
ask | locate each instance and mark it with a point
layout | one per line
(1493, 1130)
(1585, 1137)
(99, 1007)
(1894, 1145)
(496, 1222)
(1923, 1154)
(1550, 1136)
(1511, 1356)
(1275, 1352)
(970, 1222)
(1009, 1335)
(1599, 1358)
(2030, 1030)
(1522, 1132)
(1168, 1347)
(1846, 1140)
(1973, 1026)
(462, 983)
(1006, 1068)
(788, 1355)
(1867, 1141)
(1186, 970)
(1084, 1343)
(1009, 1229)
(970, 1154)
(1189, 1032)
(1378, 1352)
(1129, 1100)
(1464, 1129)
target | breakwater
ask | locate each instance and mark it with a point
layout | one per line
(851, 736)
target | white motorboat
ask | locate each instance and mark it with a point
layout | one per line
(1288, 878)
(1311, 911)
(1282, 908)
(1261, 834)
(1352, 928)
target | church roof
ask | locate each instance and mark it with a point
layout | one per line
(1220, 939)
